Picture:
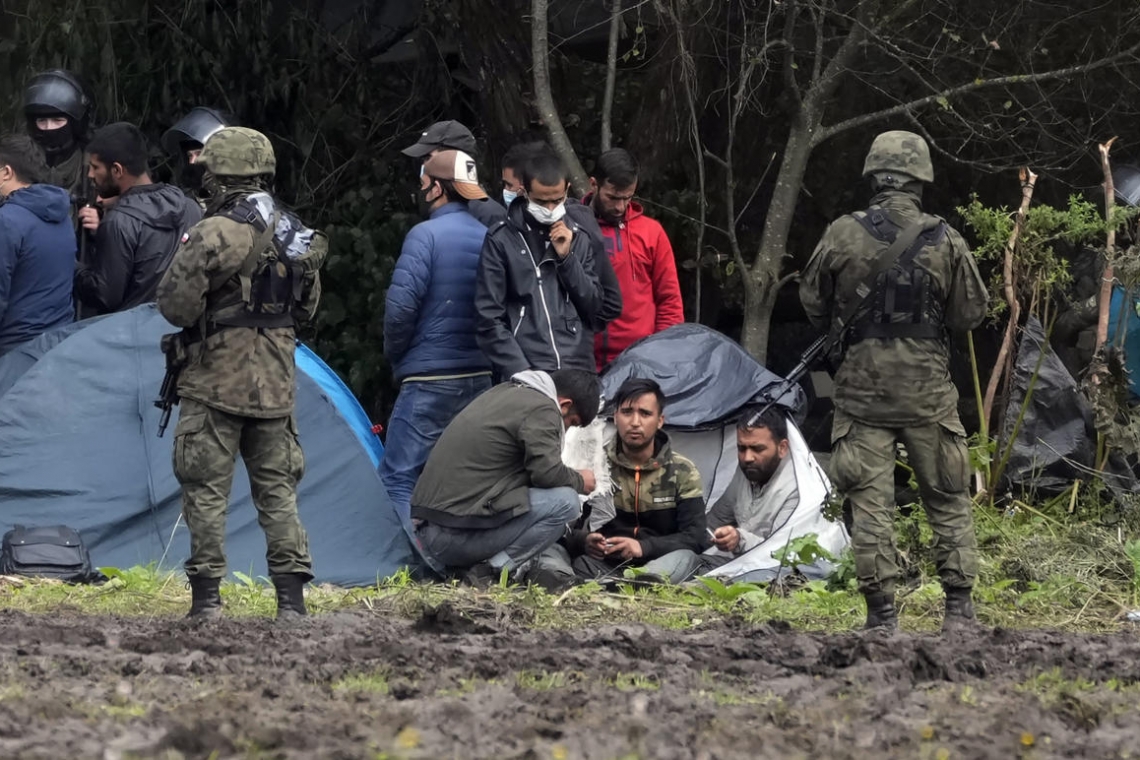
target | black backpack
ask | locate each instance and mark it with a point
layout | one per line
(54, 551)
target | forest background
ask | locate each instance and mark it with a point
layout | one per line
(750, 118)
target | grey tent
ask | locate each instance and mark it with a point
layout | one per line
(78, 446)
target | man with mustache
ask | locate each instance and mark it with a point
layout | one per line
(758, 501)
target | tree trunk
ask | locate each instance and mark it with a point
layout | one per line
(547, 111)
(611, 77)
(760, 295)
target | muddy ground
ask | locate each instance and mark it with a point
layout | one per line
(469, 684)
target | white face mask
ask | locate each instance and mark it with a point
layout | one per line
(546, 216)
(509, 197)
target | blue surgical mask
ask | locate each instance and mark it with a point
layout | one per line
(509, 197)
(546, 216)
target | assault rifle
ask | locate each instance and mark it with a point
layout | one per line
(821, 347)
(174, 348)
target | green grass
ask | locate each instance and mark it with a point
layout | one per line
(1038, 570)
(375, 682)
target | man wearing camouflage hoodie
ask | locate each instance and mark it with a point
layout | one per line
(893, 383)
(244, 278)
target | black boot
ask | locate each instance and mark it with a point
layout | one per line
(206, 599)
(959, 610)
(290, 595)
(881, 612)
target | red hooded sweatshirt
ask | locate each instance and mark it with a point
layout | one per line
(643, 261)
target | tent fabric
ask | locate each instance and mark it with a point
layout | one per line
(78, 446)
(1056, 436)
(707, 377)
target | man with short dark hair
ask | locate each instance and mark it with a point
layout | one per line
(659, 505)
(758, 500)
(37, 246)
(138, 235)
(494, 491)
(430, 321)
(641, 256)
(539, 294)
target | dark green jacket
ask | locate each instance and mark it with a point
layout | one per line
(504, 442)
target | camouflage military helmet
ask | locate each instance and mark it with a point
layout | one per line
(899, 151)
(238, 152)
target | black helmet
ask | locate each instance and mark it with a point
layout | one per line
(195, 127)
(55, 92)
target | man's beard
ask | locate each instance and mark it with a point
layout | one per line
(760, 474)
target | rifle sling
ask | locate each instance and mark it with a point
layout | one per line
(887, 259)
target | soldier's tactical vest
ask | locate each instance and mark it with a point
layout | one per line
(263, 292)
(903, 303)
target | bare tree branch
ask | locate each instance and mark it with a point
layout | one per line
(547, 111)
(945, 95)
(611, 76)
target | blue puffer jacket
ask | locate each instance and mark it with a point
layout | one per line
(429, 317)
(37, 263)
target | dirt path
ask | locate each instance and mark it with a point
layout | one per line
(361, 685)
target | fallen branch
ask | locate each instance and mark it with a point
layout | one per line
(1028, 181)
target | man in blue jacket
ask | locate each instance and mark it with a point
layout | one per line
(429, 320)
(37, 246)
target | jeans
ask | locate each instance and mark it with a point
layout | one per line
(510, 544)
(676, 566)
(423, 409)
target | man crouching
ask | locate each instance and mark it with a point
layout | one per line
(494, 492)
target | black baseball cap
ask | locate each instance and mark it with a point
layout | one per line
(443, 135)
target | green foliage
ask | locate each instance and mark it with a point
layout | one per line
(802, 550)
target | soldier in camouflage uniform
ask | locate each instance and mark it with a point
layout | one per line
(894, 381)
(237, 389)
(658, 521)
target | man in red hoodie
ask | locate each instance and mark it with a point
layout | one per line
(641, 256)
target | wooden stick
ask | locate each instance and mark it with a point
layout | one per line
(1028, 181)
(1105, 299)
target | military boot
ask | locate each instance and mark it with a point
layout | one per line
(881, 612)
(290, 595)
(959, 610)
(205, 597)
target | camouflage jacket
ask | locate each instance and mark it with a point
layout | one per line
(896, 381)
(69, 173)
(240, 370)
(661, 503)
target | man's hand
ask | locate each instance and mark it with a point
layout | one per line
(726, 538)
(589, 483)
(89, 218)
(626, 548)
(596, 545)
(560, 237)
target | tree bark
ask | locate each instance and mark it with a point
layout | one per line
(611, 76)
(1028, 181)
(760, 278)
(547, 111)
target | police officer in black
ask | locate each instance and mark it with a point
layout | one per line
(58, 109)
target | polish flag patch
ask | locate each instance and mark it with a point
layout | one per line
(185, 237)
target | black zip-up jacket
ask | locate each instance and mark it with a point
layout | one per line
(535, 311)
(133, 245)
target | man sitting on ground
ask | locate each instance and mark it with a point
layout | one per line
(659, 506)
(494, 492)
(758, 500)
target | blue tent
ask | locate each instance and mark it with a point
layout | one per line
(78, 446)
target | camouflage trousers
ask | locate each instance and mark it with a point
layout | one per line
(862, 470)
(206, 444)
